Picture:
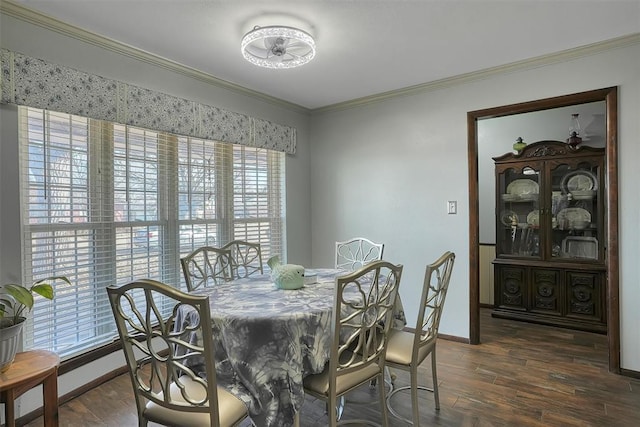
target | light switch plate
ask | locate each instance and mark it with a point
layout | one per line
(452, 207)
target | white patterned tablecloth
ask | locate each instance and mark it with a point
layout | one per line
(267, 340)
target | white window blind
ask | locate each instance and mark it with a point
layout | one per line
(105, 203)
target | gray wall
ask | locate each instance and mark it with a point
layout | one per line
(386, 170)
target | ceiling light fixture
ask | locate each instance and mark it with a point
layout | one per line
(278, 47)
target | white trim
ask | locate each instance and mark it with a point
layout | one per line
(539, 61)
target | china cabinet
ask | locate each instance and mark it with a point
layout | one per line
(550, 233)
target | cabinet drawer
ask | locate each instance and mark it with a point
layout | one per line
(547, 291)
(552, 296)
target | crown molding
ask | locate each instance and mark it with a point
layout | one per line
(25, 14)
(28, 15)
(539, 61)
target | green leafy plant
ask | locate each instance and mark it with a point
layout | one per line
(16, 299)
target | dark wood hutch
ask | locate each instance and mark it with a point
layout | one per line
(550, 264)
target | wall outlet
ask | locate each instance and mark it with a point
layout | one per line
(452, 207)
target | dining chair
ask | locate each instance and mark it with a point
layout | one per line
(362, 317)
(407, 350)
(168, 390)
(246, 258)
(206, 266)
(356, 252)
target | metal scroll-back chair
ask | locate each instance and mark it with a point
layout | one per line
(206, 266)
(167, 391)
(407, 350)
(362, 317)
(357, 252)
(246, 258)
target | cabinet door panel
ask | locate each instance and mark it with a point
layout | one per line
(584, 296)
(576, 209)
(518, 211)
(546, 291)
(512, 288)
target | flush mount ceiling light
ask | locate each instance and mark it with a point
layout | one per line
(278, 47)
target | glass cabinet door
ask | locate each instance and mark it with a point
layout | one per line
(518, 212)
(576, 212)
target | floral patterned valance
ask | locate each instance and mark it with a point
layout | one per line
(36, 83)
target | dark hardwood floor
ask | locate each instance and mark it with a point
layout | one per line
(521, 375)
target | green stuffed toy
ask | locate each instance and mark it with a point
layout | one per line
(286, 276)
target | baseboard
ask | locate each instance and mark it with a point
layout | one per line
(481, 305)
(630, 373)
(453, 338)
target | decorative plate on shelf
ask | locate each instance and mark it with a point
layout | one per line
(530, 197)
(508, 217)
(510, 197)
(533, 218)
(583, 194)
(568, 217)
(580, 180)
(521, 187)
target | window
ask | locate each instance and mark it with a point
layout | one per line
(105, 203)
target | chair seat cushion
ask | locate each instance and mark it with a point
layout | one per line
(400, 345)
(319, 383)
(231, 409)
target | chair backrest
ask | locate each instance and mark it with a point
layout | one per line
(145, 314)
(206, 266)
(357, 252)
(246, 258)
(434, 290)
(362, 317)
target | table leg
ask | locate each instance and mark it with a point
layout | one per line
(50, 400)
(9, 410)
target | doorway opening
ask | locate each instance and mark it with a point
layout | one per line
(609, 95)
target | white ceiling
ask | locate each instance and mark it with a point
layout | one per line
(364, 47)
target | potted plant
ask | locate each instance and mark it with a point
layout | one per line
(15, 302)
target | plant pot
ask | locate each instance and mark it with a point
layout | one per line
(9, 336)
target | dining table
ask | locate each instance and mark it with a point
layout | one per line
(268, 339)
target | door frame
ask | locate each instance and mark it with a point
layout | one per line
(610, 96)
